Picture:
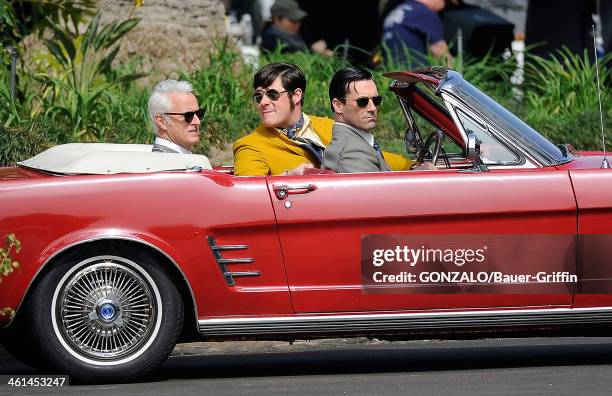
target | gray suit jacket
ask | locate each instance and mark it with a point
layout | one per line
(349, 152)
(159, 148)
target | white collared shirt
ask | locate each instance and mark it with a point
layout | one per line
(171, 145)
(367, 136)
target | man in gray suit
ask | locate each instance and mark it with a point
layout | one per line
(176, 117)
(354, 101)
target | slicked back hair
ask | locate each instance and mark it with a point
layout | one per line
(339, 84)
(159, 102)
(292, 77)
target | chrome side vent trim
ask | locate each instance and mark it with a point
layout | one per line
(235, 261)
(243, 273)
(222, 262)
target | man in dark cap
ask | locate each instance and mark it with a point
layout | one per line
(284, 30)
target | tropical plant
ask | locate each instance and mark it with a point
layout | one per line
(79, 94)
(9, 112)
(28, 100)
(8, 21)
(21, 17)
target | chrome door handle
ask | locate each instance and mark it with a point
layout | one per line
(282, 191)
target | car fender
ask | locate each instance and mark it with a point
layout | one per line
(73, 240)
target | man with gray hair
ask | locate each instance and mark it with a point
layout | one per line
(176, 117)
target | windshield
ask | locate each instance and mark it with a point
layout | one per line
(523, 134)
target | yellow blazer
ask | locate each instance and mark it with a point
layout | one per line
(266, 152)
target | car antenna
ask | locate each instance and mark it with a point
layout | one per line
(604, 163)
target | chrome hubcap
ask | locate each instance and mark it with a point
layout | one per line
(107, 310)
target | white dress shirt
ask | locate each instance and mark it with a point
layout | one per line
(171, 145)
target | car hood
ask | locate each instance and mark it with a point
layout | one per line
(585, 160)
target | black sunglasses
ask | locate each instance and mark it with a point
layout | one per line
(363, 102)
(272, 94)
(189, 114)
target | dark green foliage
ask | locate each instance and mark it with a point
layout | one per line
(223, 88)
(26, 140)
(19, 18)
(559, 98)
(80, 96)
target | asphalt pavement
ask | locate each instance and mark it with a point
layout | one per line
(538, 366)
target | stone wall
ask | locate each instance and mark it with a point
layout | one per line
(172, 35)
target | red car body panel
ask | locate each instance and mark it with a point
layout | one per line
(593, 189)
(83, 208)
(322, 231)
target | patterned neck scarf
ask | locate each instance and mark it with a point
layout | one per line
(311, 147)
(292, 130)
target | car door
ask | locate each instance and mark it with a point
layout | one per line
(323, 221)
(594, 198)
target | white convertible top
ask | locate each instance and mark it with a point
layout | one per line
(107, 158)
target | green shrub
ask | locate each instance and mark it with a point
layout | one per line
(25, 140)
(565, 83)
(80, 95)
(559, 98)
(223, 88)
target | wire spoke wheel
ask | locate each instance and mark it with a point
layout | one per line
(106, 310)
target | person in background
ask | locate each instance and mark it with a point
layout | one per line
(413, 29)
(175, 116)
(285, 30)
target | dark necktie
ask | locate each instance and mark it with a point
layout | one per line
(377, 148)
(314, 149)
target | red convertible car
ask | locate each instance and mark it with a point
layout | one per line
(125, 252)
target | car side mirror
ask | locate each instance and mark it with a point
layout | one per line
(473, 152)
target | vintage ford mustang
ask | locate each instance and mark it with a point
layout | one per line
(125, 252)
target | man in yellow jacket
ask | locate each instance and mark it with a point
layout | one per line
(287, 141)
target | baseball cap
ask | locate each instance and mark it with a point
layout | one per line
(289, 9)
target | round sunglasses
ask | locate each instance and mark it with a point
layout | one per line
(188, 115)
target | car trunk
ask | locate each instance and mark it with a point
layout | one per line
(18, 172)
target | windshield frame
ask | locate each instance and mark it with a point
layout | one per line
(498, 118)
(450, 87)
